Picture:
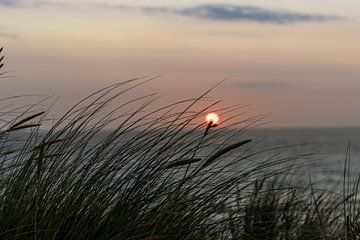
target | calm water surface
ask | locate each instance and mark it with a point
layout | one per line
(328, 145)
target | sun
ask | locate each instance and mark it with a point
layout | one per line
(212, 117)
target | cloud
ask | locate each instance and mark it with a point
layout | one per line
(219, 12)
(9, 3)
(146, 10)
(234, 13)
(241, 13)
(29, 4)
(8, 35)
(263, 85)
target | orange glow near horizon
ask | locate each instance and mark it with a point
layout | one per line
(212, 117)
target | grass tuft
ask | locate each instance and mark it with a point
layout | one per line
(113, 168)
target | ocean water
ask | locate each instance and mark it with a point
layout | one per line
(318, 153)
(322, 152)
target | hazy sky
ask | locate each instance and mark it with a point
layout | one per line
(296, 60)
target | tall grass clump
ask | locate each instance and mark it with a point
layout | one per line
(111, 167)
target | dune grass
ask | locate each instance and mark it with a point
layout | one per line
(142, 180)
(114, 169)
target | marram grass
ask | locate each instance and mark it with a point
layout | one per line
(79, 180)
(157, 174)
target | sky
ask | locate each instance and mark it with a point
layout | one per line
(296, 61)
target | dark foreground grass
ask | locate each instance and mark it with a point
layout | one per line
(158, 174)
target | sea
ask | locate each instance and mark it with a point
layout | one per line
(327, 156)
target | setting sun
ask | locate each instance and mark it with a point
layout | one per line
(212, 117)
